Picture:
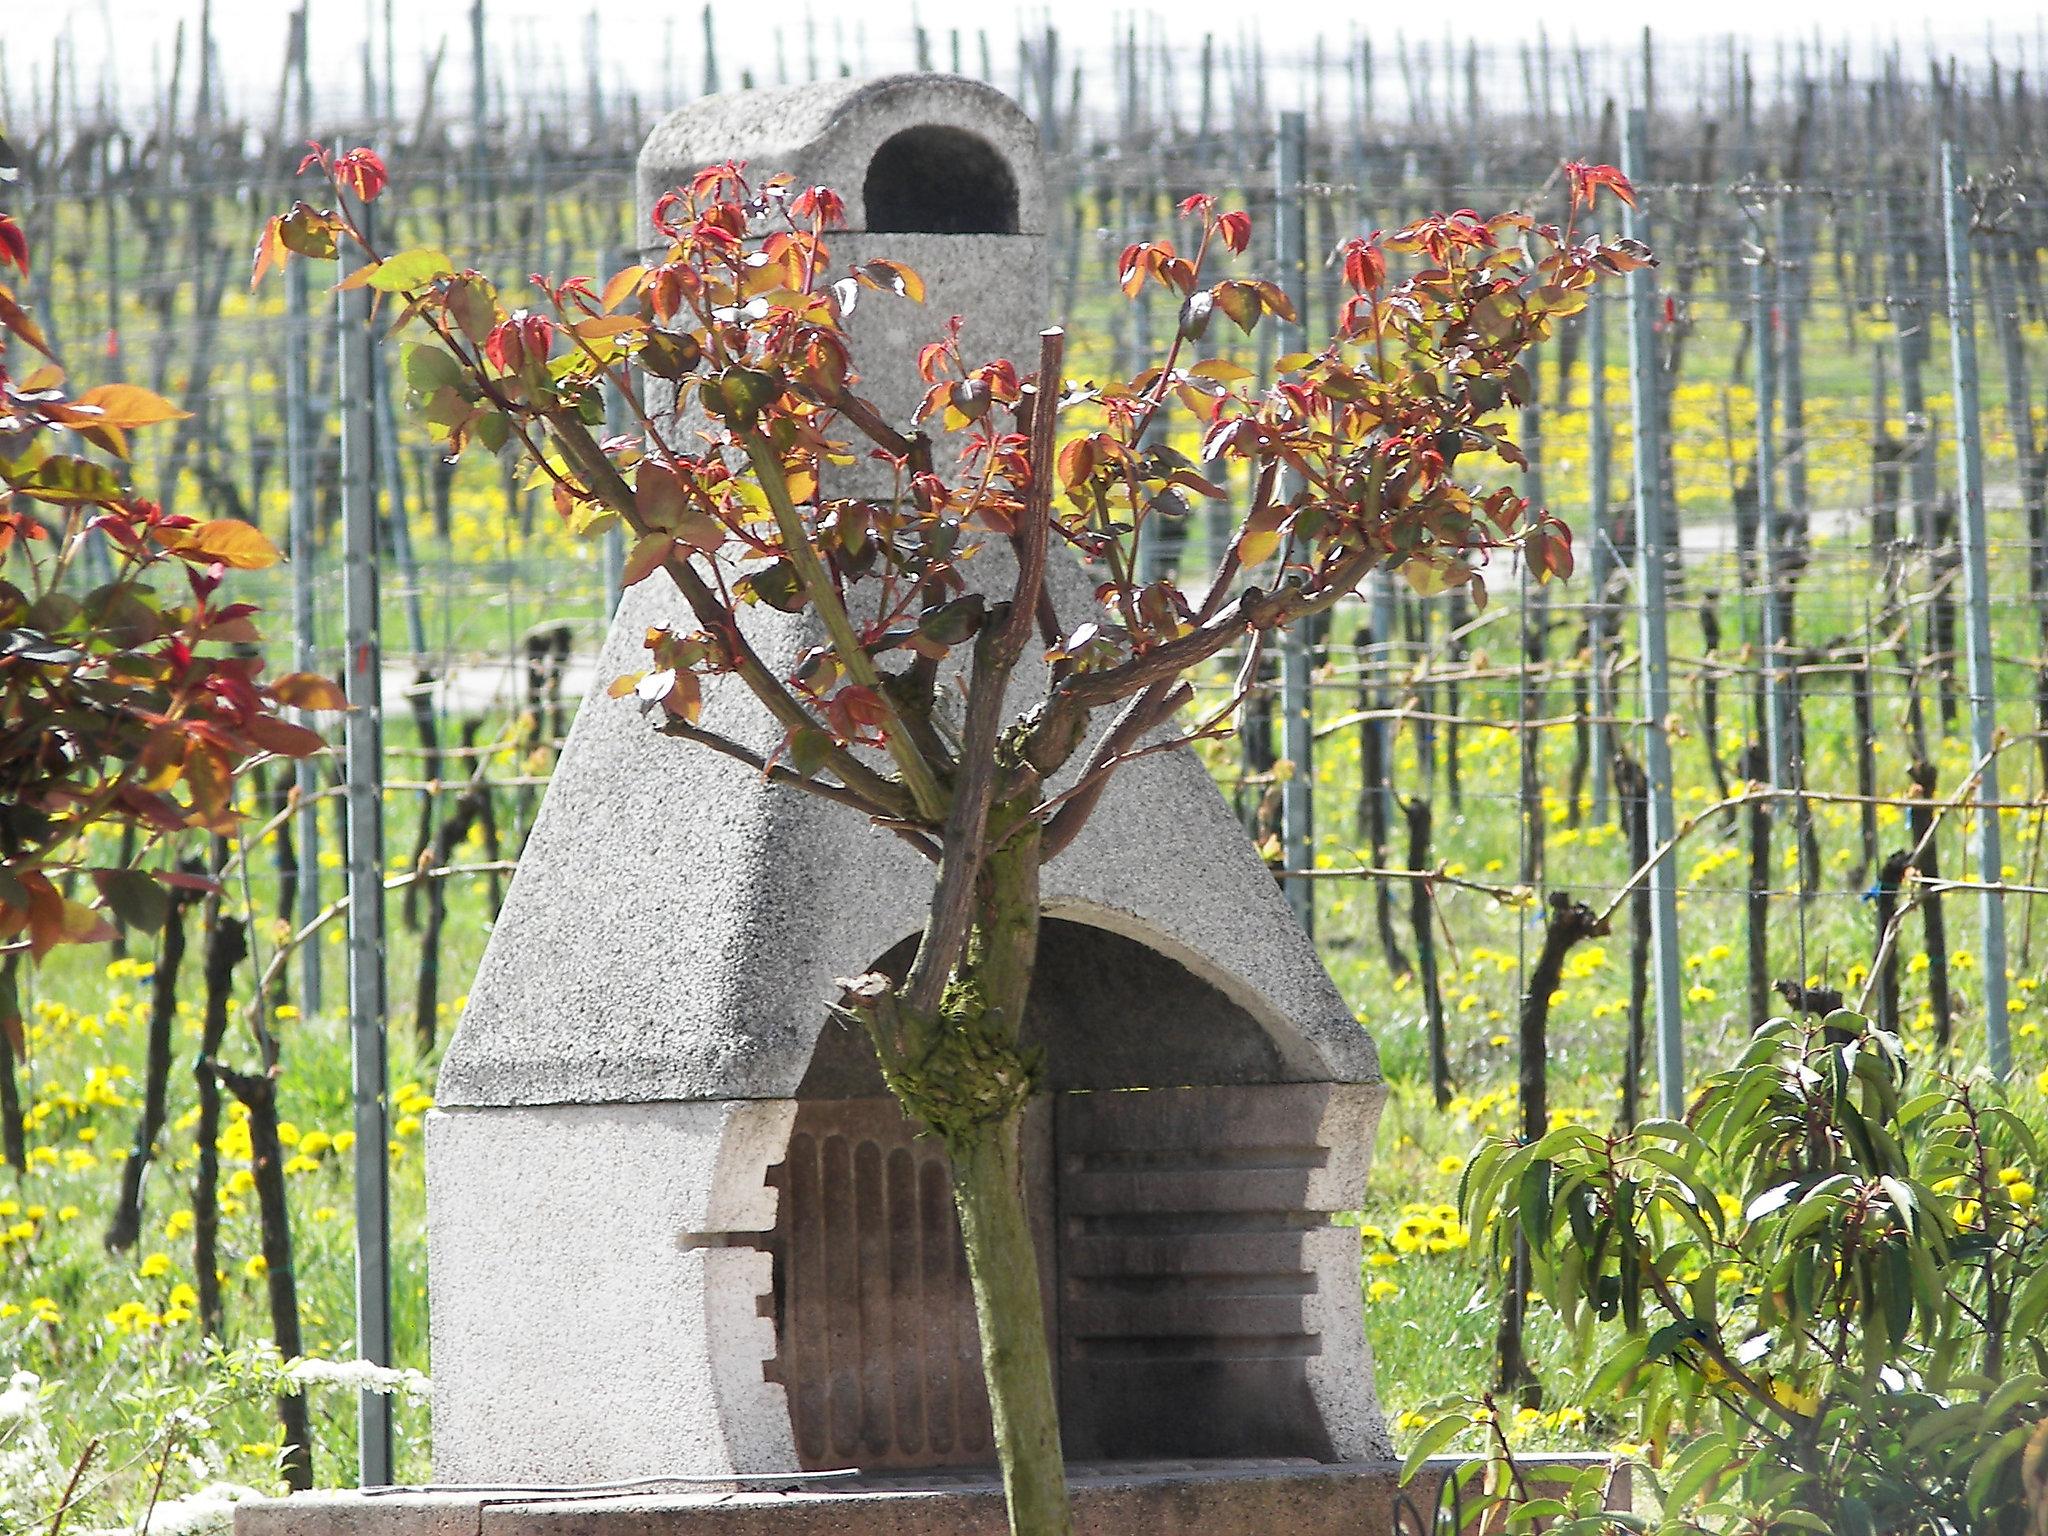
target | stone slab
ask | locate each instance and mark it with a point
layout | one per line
(581, 1289)
(1346, 1499)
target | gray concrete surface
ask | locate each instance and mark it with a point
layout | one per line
(1358, 1499)
(831, 134)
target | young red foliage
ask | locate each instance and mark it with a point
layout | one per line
(138, 704)
(1587, 180)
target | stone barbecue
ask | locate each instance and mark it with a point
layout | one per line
(677, 1224)
(677, 1228)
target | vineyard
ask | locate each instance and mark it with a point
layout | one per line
(1778, 744)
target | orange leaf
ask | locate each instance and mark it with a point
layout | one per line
(130, 405)
(893, 277)
(270, 252)
(646, 558)
(601, 326)
(16, 319)
(212, 782)
(1260, 538)
(621, 283)
(308, 690)
(282, 737)
(233, 543)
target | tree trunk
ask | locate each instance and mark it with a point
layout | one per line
(126, 1223)
(995, 1225)
(13, 1141)
(961, 1070)
(988, 1189)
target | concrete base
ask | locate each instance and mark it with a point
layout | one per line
(1347, 1499)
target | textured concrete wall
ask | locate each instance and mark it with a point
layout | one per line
(588, 1323)
(677, 924)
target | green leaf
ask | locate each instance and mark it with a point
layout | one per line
(1432, 1439)
(1533, 1199)
(411, 269)
(1626, 1357)
(1771, 1201)
(953, 622)
(135, 897)
(1991, 1462)
(1801, 1520)
(1566, 1138)
(776, 585)
(67, 480)
(740, 394)
(809, 747)
(494, 431)
(2024, 1388)
(429, 368)
(670, 354)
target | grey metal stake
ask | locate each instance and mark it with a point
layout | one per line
(1650, 596)
(1789, 276)
(1768, 532)
(1601, 470)
(363, 754)
(1962, 330)
(1297, 699)
(1379, 587)
(298, 450)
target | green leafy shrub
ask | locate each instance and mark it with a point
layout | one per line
(1823, 1293)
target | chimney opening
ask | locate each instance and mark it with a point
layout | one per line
(940, 181)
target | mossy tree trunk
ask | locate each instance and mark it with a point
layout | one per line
(964, 1071)
(988, 1189)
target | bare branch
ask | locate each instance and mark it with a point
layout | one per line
(996, 653)
(880, 797)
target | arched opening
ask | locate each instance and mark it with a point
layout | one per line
(1170, 1172)
(940, 181)
(1110, 1011)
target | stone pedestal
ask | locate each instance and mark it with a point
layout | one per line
(1348, 1499)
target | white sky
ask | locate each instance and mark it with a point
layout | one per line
(640, 34)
